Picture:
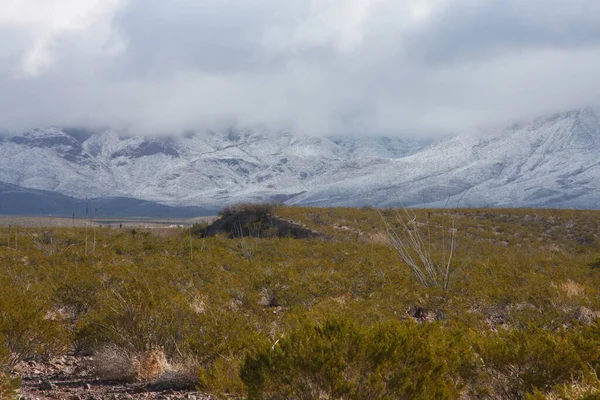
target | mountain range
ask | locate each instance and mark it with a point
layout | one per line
(552, 161)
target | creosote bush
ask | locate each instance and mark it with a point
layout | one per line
(245, 219)
(340, 359)
(8, 384)
(519, 362)
(586, 388)
(29, 327)
(257, 209)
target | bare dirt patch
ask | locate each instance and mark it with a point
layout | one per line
(72, 377)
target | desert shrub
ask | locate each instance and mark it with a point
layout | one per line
(199, 229)
(258, 209)
(222, 377)
(8, 384)
(135, 314)
(521, 361)
(222, 340)
(50, 243)
(339, 359)
(245, 219)
(180, 374)
(212, 300)
(77, 292)
(587, 388)
(433, 261)
(118, 364)
(29, 327)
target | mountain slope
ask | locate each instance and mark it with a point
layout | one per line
(196, 169)
(15, 200)
(549, 162)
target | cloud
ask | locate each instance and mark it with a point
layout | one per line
(400, 67)
(40, 24)
(474, 29)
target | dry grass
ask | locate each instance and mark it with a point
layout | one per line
(178, 376)
(117, 364)
(198, 304)
(588, 388)
(377, 238)
(152, 363)
(570, 288)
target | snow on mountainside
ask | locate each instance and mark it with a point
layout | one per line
(197, 169)
(550, 162)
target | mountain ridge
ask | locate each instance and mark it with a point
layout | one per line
(15, 200)
(550, 161)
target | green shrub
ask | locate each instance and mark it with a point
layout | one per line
(29, 327)
(134, 315)
(258, 209)
(587, 388)
(243, 220)
(222, 377)
(208, 302)
(521, 361)
(8, 384)
(199, 229)
(339, 359)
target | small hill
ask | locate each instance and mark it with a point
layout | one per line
(256, 220)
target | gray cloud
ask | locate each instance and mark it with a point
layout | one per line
(409, 68)
(469, 29)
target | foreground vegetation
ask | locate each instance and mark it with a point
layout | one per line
(336, 314)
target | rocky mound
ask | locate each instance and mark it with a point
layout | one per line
(255, 220)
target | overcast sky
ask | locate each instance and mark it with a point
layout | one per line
(412, 68)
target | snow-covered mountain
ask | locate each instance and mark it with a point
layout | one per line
(207, 169)
(550, 162)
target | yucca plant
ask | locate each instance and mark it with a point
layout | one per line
(432, 264)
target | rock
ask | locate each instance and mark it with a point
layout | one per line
(46, 385)
(87, 386)
(139, 389)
